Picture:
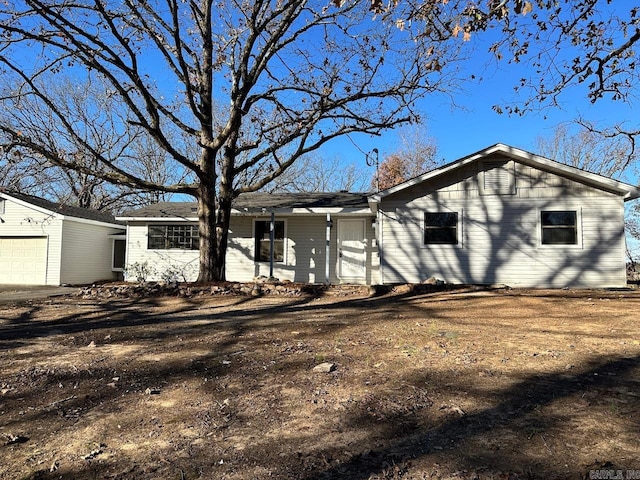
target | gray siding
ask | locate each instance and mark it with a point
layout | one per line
(500, 233)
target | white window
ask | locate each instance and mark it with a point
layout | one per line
(559, 227)
(440, 228)
(166, 237)
(262, 251)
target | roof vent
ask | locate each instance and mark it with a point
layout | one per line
(497, 178)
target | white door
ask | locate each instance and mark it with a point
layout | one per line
(352, 258)
(23, 260)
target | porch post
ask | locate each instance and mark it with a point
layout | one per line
(327, 249)
(272, 232)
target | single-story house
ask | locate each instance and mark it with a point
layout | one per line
(499, 216)
(163, 239)
(47, 243)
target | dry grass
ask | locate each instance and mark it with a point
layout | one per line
(459, 384)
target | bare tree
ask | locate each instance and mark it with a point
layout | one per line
(29, 170)
(588, 150)
(315, 173)
(291, 76)
(415, 155)
(586, 46)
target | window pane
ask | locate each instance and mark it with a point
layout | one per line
(446, 219)
(559, 236)
(441, 228)
(163, 237)
(156, 237)
(278, 251)
(263, 241)
(440, 235)
(559, 227)
(119, 248)
(559, 218)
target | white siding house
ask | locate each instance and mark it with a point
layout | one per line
(44, 243)
(319, 238)
(505, 216)
(499, 216)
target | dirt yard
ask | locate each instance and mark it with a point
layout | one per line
(464, 384)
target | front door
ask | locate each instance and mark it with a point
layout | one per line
(352, 258)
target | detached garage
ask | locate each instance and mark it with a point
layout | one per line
(46, 243)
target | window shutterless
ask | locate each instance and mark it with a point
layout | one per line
(559, 227)
(167, 237)
(263, 241)
(441, 228)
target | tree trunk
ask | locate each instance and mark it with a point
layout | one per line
(214, 219)
(207, 230)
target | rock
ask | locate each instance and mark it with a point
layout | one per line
(92, 344)
(325, 367)
(93, 453)
(14, 439)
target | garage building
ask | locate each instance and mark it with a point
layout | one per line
(46, 243)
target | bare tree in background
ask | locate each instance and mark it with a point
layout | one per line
(290, 75)
(32, 171)
(415, 155)
(315, 173)
(588, 150)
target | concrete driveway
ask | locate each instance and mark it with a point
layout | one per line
(21, 293)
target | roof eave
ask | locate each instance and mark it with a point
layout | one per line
(157, 219)
(26, 204)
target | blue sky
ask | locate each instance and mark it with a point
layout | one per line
(473, 125)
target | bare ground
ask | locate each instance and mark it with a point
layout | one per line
(463, 384)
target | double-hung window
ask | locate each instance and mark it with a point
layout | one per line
(559, 227)
(166, 237)
(263, 241)
(440, 228)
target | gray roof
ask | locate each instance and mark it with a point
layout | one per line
(63, 209)
(257, 201)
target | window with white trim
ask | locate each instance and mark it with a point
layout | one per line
(440, 228)
(559, 227)
(262, 252)
(168, 237)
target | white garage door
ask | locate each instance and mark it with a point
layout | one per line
(23, 260)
